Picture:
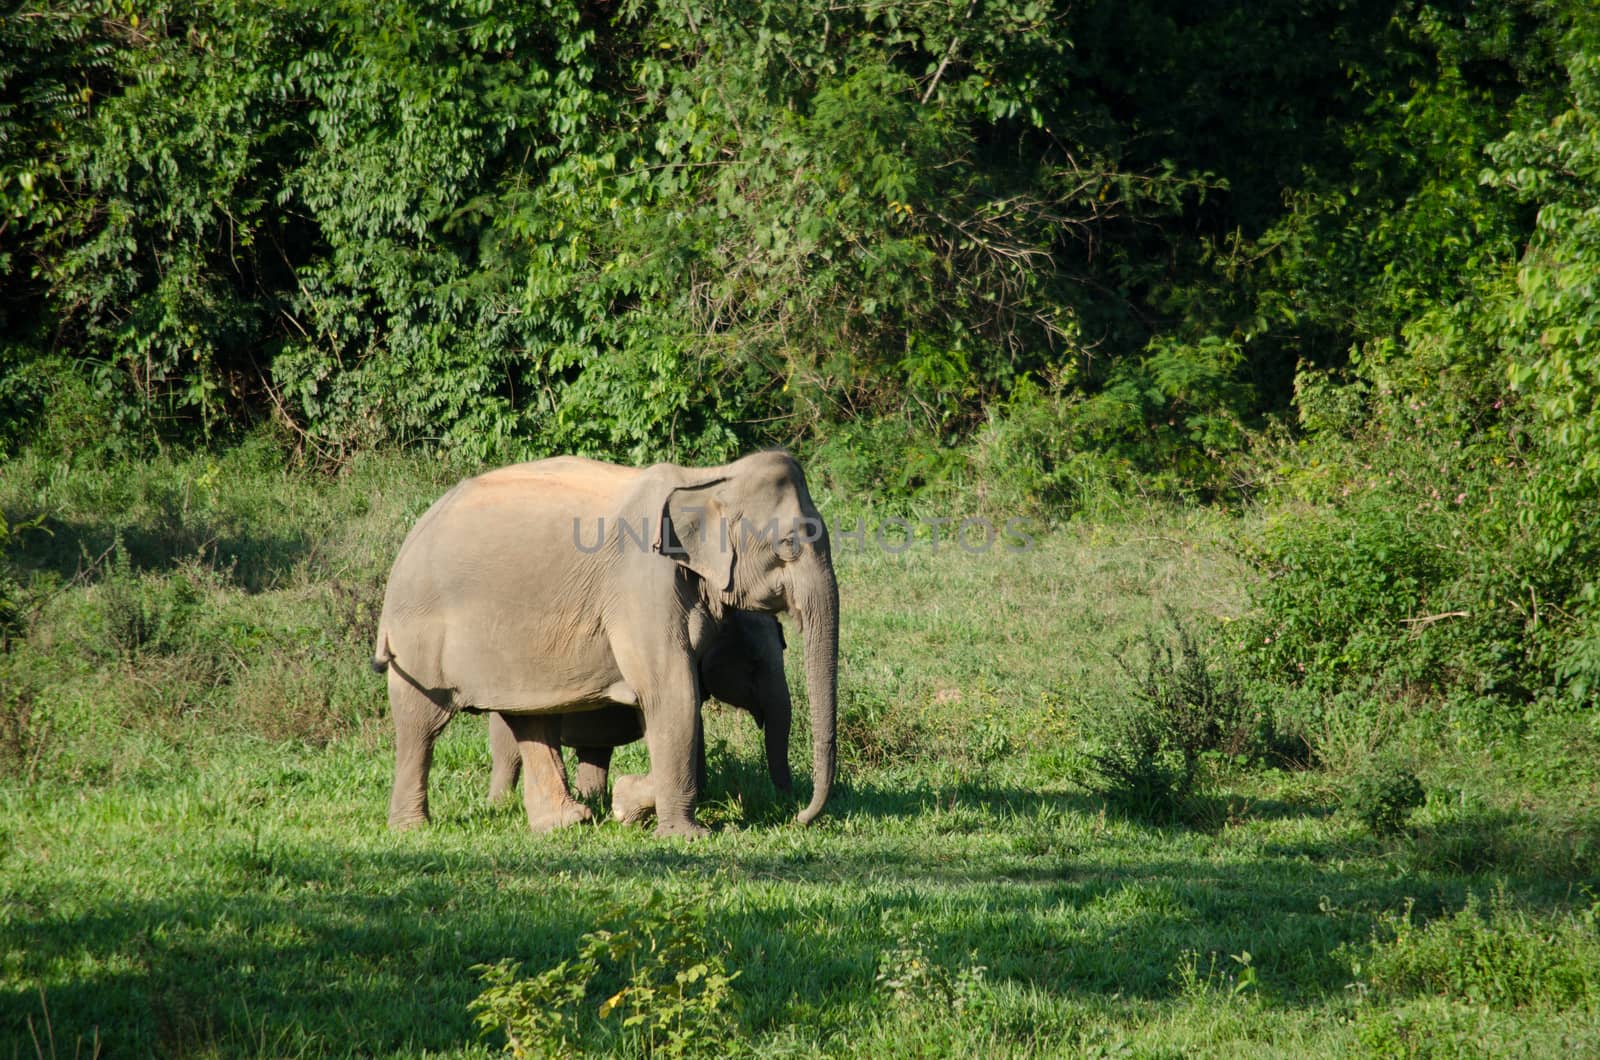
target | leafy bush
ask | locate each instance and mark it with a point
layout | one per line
(1340, 587)
(1442, 533)
(1383, 796)
(23, 722)
(676, 996)
(1493, 955)
(17, 600)
(1178, 709)
(146, 612)
(24, 725)
(911, 977)
(521, 226)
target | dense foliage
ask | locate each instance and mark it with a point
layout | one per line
(1440, 530)
(1336, 257)
(654, 228)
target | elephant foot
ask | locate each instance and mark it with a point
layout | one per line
(563, 816)
(687, 827)
(407, 822)
(632, 799)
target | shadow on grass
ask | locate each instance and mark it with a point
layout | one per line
(305, 963)
(250, 559)
(1510, 842)
(339, 949)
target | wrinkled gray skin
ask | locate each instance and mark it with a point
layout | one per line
(509, 595)
(742, 667)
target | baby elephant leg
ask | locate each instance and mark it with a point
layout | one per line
(594, 763)
(505, 760)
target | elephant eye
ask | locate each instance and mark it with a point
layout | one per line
(789, 548)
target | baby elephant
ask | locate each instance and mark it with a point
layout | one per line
(742, 666)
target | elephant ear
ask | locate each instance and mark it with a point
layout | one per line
(694, 532)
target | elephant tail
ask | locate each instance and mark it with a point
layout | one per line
(381, 657)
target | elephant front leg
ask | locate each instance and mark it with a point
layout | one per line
(544, 774)
(671, 733)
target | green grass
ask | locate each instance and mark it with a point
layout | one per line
(193, 859)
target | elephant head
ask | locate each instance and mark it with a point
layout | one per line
(752, 534)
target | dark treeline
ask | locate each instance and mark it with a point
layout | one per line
(1339, 255)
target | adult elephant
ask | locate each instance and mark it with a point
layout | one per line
(742, 666)
(563, 585)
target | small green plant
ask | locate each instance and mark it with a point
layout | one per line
(676, 996)
(910, 976)
(24, 724)
(145, 612)
(880, 730)
(1233, 979)
(16, 601)
(130, 625)
(1179, 707)
(23, 727)
(1383, 795)
(354, 605)
(1491, 954)
(539, 1015)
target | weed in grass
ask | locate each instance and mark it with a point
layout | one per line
(1383, 795)
(676, 996)
(18, 601)
(143, 613)
(910, 977)
(877, 730)
(1493, 954)
(24, 722)
(354, 605)
(1195, 981)
(1176, 709)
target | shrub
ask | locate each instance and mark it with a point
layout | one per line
(24, 727)
(1383, 796)
(1496, 956)
(149, 612)
(1445, 536)
(676, 996)
(1340, 586)
(878, 730)
(1179, 708)
(910, 976)
(17, 601)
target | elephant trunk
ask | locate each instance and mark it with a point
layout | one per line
(818, 612)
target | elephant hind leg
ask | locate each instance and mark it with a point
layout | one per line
(544, 774)
(418, 720)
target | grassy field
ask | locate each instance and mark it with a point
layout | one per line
(193, 859)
